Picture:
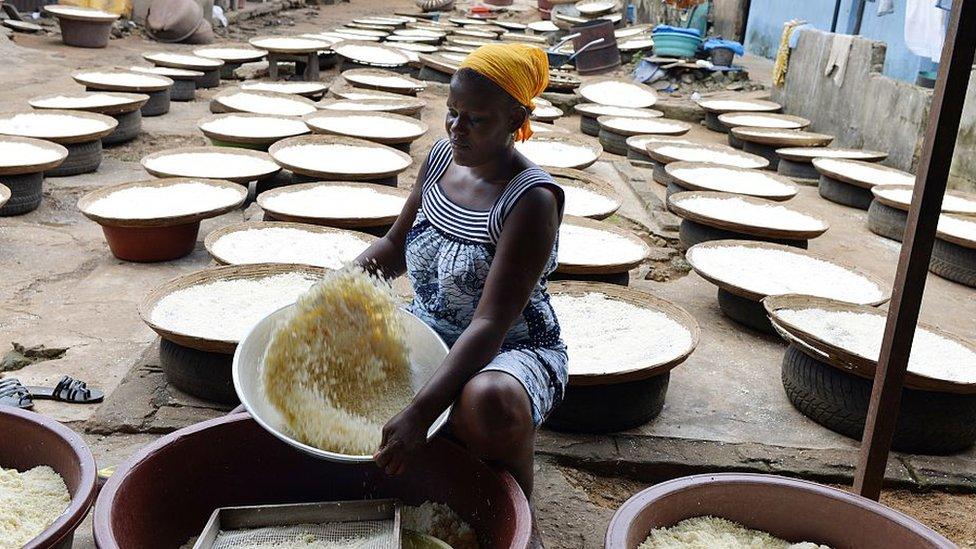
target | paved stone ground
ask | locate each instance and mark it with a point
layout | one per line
(726, 410)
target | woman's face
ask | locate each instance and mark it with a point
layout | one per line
(480, 121)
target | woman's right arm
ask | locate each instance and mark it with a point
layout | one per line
(387, 256)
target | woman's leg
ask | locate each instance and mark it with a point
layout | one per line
(493, 419)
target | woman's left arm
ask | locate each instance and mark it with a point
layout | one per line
(520, 257)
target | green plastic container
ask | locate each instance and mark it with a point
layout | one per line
(667, 44)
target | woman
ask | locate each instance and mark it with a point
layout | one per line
(477, 239)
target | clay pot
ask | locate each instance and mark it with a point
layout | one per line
(151, 244)
(29, 440)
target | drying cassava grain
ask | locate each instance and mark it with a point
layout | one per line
(230, 54)
(736, 210)
(369, 126)
(265, 127)
(440, 521)
(865, 172)
(157, 202)
(81, 101)
(950, 203)
(379, 55)
(759, 121)
(286, 245)
(618, 94)
(958, 227)
(587, 246)
(266, 104)
(583, 203)
(336, 202)
(826, 152)
(13, 153)
(340, 158)
(642, 125)
(182, 59)
(556, 154)
(124, 79)
(29, 502)
(294, 88)
(730, 105)
(216, 165)
(716, 533)
(46, 125)
(596, 109)
(289, 43)
(691, 153)
(734, 181)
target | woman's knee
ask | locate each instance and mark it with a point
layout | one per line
(493, 410)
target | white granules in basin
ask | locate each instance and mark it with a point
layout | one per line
(43, 125)
(643, 125)
(13, 153)
(760, 121)
(168, 201)
(584, 203)
(87, 13)
(384, 81)
(619, 94)
(586, 246)
(370, 104)
(229, 54)
(293, 88)
(286, 245)
(865, 172)
(439, 521)
(958, 227)
(336, 202)
(950, 203)
(766, 271)
(605, 335)
(716, 533)
(595, 109)
(728, 105)
(183, 59)
(225, 310)
(213, 165)
(29, 502)
(371, 54)
(754, 183)
(736, 210)
(290, 43)
(689, 153)
(556, 154)
(124, 79)
(338, 158)
(255, 127)
(266, 104)
(367, 126)
(86, 101)
(861, 333)
(825, 152)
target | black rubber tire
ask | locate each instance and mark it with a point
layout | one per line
(745, 311)
(26, 193)
(210, 79)
(620, 279)
(130, 124)
(428, 74)
(735, 142)
(199, 373)
(887, 221)
(712, 123)
(802, 172)
(590, 126)
(672, 188)
(82, 158)
(328, 60)
(283, 178)
(639, 160)
(928, 422)
(691, 233)
(387, 181)
(158, 103)
(227, 70)
(954, 262)
(609, 408)
(660, 175)
(183, 90)
(844, 194)
(765, 151)
(613, 143)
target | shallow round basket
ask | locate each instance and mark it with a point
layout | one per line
(22, 26)
(83, 27)
(325, 172)
(14, 166)
(401, 105)
(546, 113)
(797, 162)
(323, 122)
(360, 222)
(585, 154)
(185, 81)
(154, 482)
(213, 237)
(637, 145)
(138, 83)
(568, 177)
(625, 396)
(790, 509)
(736, 230)
(310, 90)
(360, 54)
(835, 169)
(232, 53)
(159, 238)
(24, 180)
(666, 157)
(764, 141)
(62, 136)
(230, 152)
(225, 102)
(262, 142)
(614, 130)
(640, 96)
(888, 212)
(605, 268)
(127, 102)
(345, 91)
(783, 190)
(717, 106)
(563, 82)
(183, 61)
(289, 44)
(30, 440)
(436, 68)
(763, 120)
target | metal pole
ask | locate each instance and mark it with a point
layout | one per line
(916, 250)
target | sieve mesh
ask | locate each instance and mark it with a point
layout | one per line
(364, 534)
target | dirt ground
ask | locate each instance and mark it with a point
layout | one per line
(59, 287)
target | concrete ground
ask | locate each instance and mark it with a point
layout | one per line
(726, 410)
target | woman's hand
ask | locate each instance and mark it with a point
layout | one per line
(403, 436)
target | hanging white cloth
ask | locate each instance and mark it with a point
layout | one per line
(840, 50)
(924, 28)
(886, 7)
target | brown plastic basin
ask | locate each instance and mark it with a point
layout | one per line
(165, 492)
(152, 244)
(28, 440)
(794, 510)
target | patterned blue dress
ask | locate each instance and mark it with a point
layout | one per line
(449, 251)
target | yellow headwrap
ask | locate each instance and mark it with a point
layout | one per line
(520, 70)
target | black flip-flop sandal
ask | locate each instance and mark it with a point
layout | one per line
(73, 391)
(13, 393)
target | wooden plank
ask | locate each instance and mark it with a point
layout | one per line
(923, 218)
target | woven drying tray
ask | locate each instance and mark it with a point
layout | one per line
(185, 61)
(466, 41)
(663, 126)
(673, 171)
(213, 237)
(647, 98)
(346, 46)
(218, 106)
(345, 91)
(592, 8)
(338, 140)
(568, 177)
(305, 45)
(4, 194)
(399, 105)
(319, 123)
(807, 154)
(849, 361)
(134, 101)
(512, 25)
(654, 148)
(414, 39)
(546, 113)
(399, 83)
(955, 239)
(362, 32)
(369, 26)
(639, 143)
(753, 296)
(575, 141)
(86, 201)
(77, 13)
(593, 110)
(248, 53)
(457, 49)
(472, 33)
(604, 268)
(755, 228)
(782, 138)
(824, 169)
(246, 140)
(170, 72)
(340, 222)
(17, 169)
(90, 79)
(230, 272)
(439, 63)
(522, 38)
(748, 105)
(243, 179)
(62, 138)
(794, 122)
(878, 192)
